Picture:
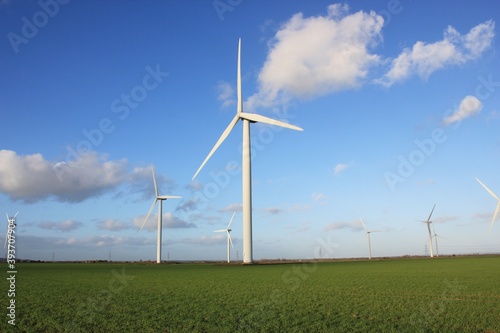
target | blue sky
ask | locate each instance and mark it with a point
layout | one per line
(399, 102)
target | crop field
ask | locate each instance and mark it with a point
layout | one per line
(396, 295)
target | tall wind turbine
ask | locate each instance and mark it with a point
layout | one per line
(428, 222)
(229, 241)
(247, 118)
(498, 205)
(159, 198)
(9, 220)
(368, 232)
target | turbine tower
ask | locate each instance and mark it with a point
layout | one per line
(498, 205)
(428, 222)
(159, 198)
(229, 241)
(368, 232)
(247, 118)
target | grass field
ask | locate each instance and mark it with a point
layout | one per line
(397, 295)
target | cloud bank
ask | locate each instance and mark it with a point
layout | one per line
(317, 55)
(31, 178)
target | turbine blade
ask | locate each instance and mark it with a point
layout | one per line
(232, 217)
(489, 191)
(165, 197)
(494, 216)
(230, 240)
(240, 102)
(218, 143)
(428, 220)
(152, 206)
(364, 226)
(15, 215)
(258, 118)
(221, 230)
(154, 181)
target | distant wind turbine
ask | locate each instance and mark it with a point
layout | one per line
(159, 198)
(368, 232)
(428, 222)
(498, 205)
(229, 241)
(436, 239)
(247, 118)
(9, 221)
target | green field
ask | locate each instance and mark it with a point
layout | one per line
(397, 295)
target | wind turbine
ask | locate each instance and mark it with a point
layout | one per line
(229, 241)
(436, 239)
(428, 222)
(159, 198)
(9, 220)
(368, 232)
(498, 205)
(247, 118)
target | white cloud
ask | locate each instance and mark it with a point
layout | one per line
(65, 226)
(454, 49)
(207, 240)
(31, 178)
(168, 221)
(340, 167)
(311, 56)
(469, 106)
(112, 225)
(353, 226)
(225, 94)
(318, 197)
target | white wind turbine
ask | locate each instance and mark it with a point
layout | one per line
(229, 241)
(368, 232)
(159, 198)
(435, 236)
(498, 205)
(428, 222)
(9, 220)
(247, 118)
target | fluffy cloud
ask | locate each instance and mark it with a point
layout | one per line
(454, 49)
(168, 221)
(469, 106)
(340, 167)
(31, 178)
(65, 226)
(225, 94)
(312, 56)
(112, 225)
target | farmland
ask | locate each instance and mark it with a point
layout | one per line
(396, 295)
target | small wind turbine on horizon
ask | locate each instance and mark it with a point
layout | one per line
(9, 220)
(159, 198)
(246, 174)
(498, 205)
(435, 236)
(428, 222)
(229, 241)
(367, 233)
